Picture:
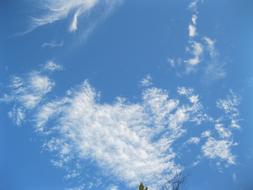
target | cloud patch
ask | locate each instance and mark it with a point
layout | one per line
(52, 66)
(197, 51)
(221, 146)
(26, 93)
(214, 148)
(192, 28)
(201, 53)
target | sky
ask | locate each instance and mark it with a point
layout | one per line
(105, 94)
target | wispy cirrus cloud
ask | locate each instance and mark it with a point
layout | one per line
(59, 9)
(52, 44)
(56, 10)
(215, 69)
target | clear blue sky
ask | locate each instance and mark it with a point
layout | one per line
(102, 94)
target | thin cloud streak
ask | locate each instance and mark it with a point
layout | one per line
(52, 44)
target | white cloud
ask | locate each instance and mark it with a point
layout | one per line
(199, 49)
(183, 91)
(29, 91)
(234, 124)
(59, 9)
(74, 24)
(126, 139)
(206, 133)
(221, 149)
(223, 132)
(195, 47)
(230, 106)
(174, 62)
(52, 66)
(113, 187)
(194, 19)
(118, 136)
(52, 44)
(215, 71)
(196, 106)
(26, 93)
(146, 81)
(196, 51)
(193, 140)
(17, 115)
(193, 5)
(221, 146)
(56, 10)
(192, 30)
(192, 26)
(47, 112)
(131, 141)
(210, 43)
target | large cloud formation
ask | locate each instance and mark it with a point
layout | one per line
(132, 141)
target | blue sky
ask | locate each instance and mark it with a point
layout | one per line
(104, 94)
